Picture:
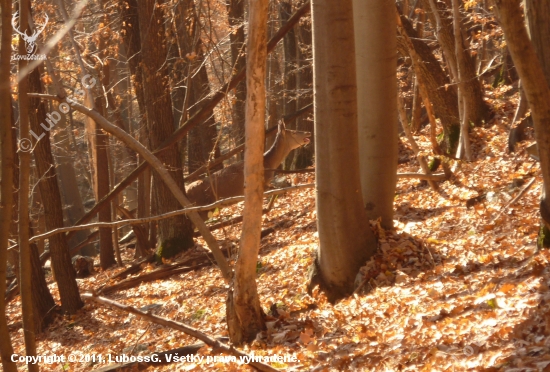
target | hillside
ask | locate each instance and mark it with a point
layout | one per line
(455, 286)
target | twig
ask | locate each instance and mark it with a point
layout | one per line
(217, 345)
(139, 338)
(414, 145)
(521, 193)
(138, 221)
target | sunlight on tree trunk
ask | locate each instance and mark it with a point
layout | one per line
(345, 238)
(535, 87)
(376, 61)
(245, 317)
(464, 104)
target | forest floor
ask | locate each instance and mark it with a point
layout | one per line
(452, 287)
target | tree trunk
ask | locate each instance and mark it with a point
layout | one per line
(65, 275)
(235, 16)
(245, 317)
(175, 234)
(132, 41)
(71, 198)
(303, 156)
(42, 299)
(274, 88)
(465, 101)
(433, 79)
(416, 110)
(376, 61)
(536, 89)
(6, 187)
(290, 66)
(345, 238)
(473, 92)
(201, 141)
(69, 184)
(43, 302)
(25, 273)
(106, 249)
(538, 23)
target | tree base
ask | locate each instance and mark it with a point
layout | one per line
(315, 278)
(253, 320)
(171, 247)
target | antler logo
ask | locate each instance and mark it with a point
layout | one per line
(30, 41)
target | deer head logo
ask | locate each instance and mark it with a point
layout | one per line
(30, 41)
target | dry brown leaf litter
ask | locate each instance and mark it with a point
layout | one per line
(448, 289)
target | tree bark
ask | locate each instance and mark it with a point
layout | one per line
(376, 61)
(473, 91)
(235, 16)
(434, 81)
(538, 23)
(201, 141)
(245, 317)
(132, 42)
(6, 187)
(345, 238)
(290, 67)
(536, 89)
(106, 249)
(303, 156)
(25, 273)
(51, 198)
(42, 299)
(176, 234)
(465, 99)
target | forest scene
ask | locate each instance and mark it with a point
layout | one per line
(275, 185)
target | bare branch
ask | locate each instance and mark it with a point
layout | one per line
(215, 344)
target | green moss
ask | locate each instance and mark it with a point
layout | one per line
(171, 247)
(453, 137)
(543, 240)
(434, 164)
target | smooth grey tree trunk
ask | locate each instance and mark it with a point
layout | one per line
(345, 238)
(376, 61)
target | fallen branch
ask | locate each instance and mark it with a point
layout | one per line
(519, 196)
(214, 343)
(134, 268)
(162, 273)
